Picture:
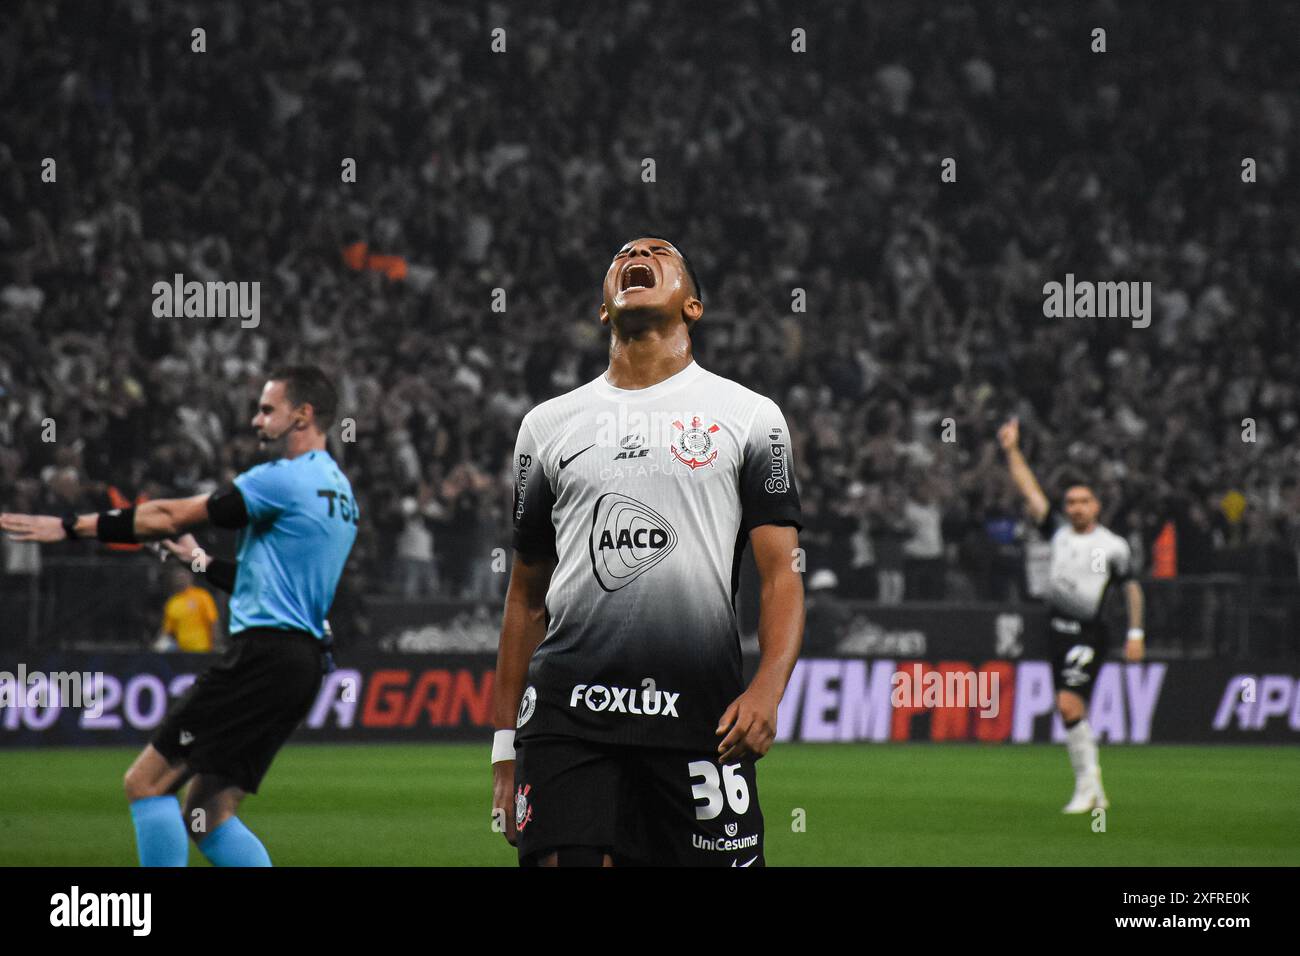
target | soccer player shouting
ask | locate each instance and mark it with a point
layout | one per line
(619, 667)
(297, 521)
(1085, 559)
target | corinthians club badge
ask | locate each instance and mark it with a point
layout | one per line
(694, 444)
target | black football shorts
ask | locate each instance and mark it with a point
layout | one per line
(240, 711)
(643, 806)
(1078, 649)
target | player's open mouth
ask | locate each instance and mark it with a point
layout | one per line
(637, 276)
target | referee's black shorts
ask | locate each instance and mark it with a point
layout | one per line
(241, 710)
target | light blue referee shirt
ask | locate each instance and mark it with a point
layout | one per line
(302, 521)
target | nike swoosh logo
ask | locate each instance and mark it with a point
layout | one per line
(565, 462)
(746, 863)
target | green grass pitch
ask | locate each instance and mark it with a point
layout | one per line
(895, 805)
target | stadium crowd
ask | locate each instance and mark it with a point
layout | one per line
(774, 170)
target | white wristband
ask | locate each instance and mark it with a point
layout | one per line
(503, 746)
(1136, 634)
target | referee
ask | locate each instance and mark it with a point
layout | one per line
(297, 520)
(1086, 558)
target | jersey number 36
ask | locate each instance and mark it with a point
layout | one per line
(730, 790)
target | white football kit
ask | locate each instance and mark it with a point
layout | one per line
(645, 499)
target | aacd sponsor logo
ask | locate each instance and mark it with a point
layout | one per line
(628, 538)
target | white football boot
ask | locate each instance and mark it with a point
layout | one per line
(1088, 795)
(1102, 803)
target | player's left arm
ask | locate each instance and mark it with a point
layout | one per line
(771, 513)
(750, 722)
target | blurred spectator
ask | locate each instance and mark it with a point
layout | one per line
(521, 173)
(189, 617)
(890, 529)
(924, 550)
(416, 568)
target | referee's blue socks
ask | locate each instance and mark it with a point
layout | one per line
(160, 831)
(233, 844)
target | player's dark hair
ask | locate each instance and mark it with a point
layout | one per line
(690, 269)
(1073, 479)
(308, 385)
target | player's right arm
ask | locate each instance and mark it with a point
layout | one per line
(1021, 473)
(523, 624)
(522, 628)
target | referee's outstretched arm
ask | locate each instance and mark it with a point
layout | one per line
(163, 518)
(1021, 473)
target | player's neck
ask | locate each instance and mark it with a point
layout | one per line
(648, 358)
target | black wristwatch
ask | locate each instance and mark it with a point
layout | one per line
(70, 525)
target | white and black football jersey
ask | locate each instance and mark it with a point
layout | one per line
(645, 498)
(1082, 567)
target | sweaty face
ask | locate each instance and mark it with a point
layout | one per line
(275, 417)
(646, 277)
(1081, 507)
